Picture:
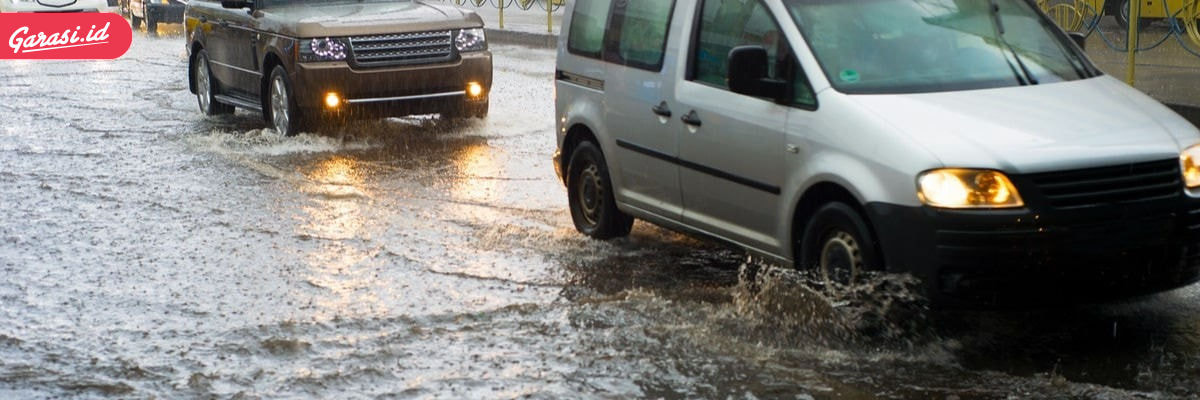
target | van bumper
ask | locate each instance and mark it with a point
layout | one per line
(392, 91)
(1034, 255)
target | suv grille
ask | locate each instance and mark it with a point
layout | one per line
(1127, 183)
(402, 48)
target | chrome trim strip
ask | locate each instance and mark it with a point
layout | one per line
(414, 97)
(255, 73)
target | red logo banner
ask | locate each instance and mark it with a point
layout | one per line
(64, 36)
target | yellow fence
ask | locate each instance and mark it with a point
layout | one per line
(550, 6)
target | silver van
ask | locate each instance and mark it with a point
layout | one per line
(969, 143)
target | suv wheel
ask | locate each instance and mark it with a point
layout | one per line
(134, 20)
(589, 192)
(202, 76)
(838, 245)
(151, 23)
(280, 109)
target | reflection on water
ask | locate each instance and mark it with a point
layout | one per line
(475, 164)
(334, 219)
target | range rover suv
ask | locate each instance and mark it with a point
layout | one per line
(303, 61)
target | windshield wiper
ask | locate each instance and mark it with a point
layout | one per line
(1025, 77)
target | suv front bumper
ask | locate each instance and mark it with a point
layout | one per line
(392, 91)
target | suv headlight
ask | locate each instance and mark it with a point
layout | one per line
(322, 49)
(1190, 161)
(470, 40)
(967, 188)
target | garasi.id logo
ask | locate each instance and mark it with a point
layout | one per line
(64, 36)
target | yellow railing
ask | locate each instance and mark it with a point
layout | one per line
(1182, 17)
(550, 6)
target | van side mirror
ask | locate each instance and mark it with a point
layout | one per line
(747, 73)
(237, 4)
(1079, 38)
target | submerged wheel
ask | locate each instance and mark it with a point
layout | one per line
(837, 244)
(590, 194)
(202, 76)
(1121, 13)
(280, 110)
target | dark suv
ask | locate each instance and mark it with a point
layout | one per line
(300, 61)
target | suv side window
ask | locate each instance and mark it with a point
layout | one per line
(639, 33)
(586, 37)
(725, 24)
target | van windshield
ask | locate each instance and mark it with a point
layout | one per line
(912, 46)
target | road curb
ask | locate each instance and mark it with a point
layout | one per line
(543, 40)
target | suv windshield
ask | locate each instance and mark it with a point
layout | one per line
(910, 46)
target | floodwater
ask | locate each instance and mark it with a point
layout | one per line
(149, 252)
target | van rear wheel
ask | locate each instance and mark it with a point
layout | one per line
(590, 194)
(838, 246)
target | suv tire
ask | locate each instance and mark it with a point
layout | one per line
(838, 245)
(590, 195)
(279, 104)
(205, 87)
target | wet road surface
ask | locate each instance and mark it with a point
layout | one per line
(148, 252)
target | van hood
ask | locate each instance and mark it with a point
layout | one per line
(369, 17)
(1039, 128)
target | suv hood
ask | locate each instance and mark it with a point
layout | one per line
(369, 17)
(1028, 129)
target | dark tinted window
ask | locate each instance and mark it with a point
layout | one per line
(725, 24)
(587, 27)
(639, 29)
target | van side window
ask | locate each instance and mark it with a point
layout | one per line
(586, 37)
(725, 24)
(639, 29)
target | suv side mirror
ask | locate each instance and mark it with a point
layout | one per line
(748, 73)
(237, 3)
(1079, 38)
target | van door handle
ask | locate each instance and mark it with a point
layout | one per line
(662, 110)
(691, 119)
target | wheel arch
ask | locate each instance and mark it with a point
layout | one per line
(270, 61)
(576, 134)
(817, 195)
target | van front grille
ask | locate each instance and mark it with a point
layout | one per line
(402, 48)
(1119, 184)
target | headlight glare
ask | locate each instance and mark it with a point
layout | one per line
(470, 40)
(1190, 163)
(967, 188)
(322, 49)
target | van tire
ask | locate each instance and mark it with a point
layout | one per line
(837, 245)
(590, 196)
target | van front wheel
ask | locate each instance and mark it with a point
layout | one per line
(590, 194)
(838, 246)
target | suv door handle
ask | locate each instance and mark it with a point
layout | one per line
(662, 110)
(691, 119)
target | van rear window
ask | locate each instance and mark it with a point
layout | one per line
(586, 37)
(639, 30)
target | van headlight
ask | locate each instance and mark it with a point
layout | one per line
(470, 40)
(322, 49)
(967, 188)
(1190, 161)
